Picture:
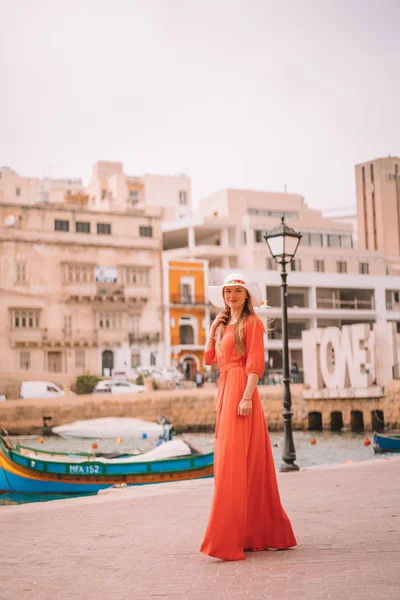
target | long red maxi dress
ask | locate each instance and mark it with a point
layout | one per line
(246, 512)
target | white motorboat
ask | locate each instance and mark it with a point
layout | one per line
(112, 427)
(171, 449)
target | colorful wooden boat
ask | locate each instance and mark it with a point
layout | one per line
(29, 470)
(383, 442)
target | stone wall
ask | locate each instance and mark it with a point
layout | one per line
(187, 409)
(190, 409)
(345, 406)
(391, 403)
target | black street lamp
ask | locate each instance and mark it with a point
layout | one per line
(282, 242)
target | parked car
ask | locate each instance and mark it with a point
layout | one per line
(111, 386)
(40, 389)
(161, 373)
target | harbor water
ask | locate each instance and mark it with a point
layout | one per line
(329, 448)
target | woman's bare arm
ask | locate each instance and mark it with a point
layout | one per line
(246, 405)
(210, 341)
(252, 381)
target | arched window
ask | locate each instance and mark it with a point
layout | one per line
(107, 362)
(186, 334)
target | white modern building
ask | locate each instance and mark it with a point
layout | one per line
(320, 300)
(331, 282)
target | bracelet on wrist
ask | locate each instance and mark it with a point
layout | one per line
(247, 399)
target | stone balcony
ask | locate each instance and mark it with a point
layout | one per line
(55, 338)
(140, 339)
(188, 300)
(26, 337)
(187, 343)
(51, 338)
(133, 295)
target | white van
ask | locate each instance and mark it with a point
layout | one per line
(40, 389)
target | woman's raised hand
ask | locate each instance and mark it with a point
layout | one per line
(220, 319)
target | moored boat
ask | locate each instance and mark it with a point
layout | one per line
(113, 427)
(30, 470)
(384, 442)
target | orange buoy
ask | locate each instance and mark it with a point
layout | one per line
(41, 440)
(94, 446)
(313, 441)
(119, 440)
(367, 442)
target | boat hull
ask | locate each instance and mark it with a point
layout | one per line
(19, 473)
(386, 443)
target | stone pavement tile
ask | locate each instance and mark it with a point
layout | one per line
(136, 546)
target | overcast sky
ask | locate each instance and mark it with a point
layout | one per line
(253, 94)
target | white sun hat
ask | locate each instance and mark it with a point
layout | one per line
(215, 292)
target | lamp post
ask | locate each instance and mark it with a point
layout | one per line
(283, 242)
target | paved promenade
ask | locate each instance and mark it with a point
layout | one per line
(142, 543)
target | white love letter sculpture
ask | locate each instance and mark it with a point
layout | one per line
(338, 359)
(333, 360)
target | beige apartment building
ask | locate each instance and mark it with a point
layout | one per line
(80, 286)
(31, 190)
(80, 271)
(378, 208)
(111, 189)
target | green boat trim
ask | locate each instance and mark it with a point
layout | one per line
(105, 468)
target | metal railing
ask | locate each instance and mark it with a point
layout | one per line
(185, 299)
(275, 377)
(294, 333)
(183, 341)
(109, 289)
(355, 304)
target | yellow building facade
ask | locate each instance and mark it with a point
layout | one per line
(186, 314)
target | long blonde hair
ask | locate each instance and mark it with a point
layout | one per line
(247, 311)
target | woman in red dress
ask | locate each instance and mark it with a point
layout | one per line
(246, 512)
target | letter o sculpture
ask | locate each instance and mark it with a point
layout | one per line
(333, 375)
